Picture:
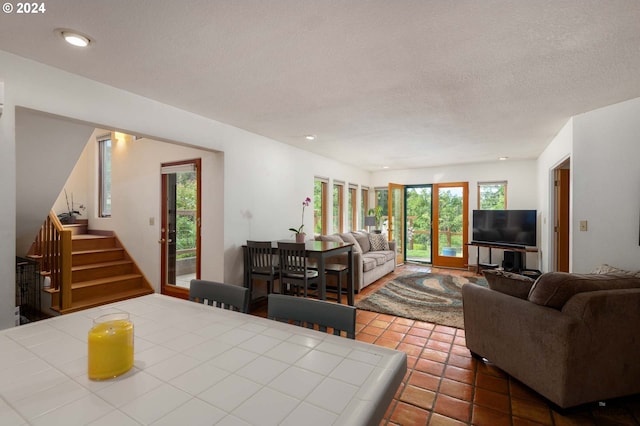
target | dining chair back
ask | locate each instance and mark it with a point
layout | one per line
(294, 270)
(312, 313)
(262, 265)
(220, 295)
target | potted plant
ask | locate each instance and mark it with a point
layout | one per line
(69, 217)
(300, 235)
(377, 213)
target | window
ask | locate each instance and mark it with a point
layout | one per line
(492, 195)
(338, 207)
(364, 205)
(320, 206)
(352, 207)
(382, 201)
(104, 178)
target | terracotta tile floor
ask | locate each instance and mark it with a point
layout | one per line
(444, 385)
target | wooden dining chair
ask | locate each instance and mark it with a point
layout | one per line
(262, 265)
(312, 313)
(338, 271)
(294, 269)
(220, 295)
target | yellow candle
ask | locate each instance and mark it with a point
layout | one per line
(110, 346)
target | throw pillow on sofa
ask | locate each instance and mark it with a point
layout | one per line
(348, 238)
(509, 283)
(608, 269)
(378, 242)
(363, 239)
(554, 289)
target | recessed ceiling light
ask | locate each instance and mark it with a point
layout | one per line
(74, 38)
(310, 137)
(385, 167)
(503, 158)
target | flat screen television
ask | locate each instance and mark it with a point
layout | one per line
(507, 227)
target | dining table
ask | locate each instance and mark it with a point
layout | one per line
(194, 365)
(319, 251)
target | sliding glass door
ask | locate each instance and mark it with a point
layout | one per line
(429, 223)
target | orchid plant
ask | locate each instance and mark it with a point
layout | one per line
(305, 203)
(71, 213)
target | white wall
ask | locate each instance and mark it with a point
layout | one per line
(264, 181)
(79, 183)
(44, 141)
(606, 187)
(603, 149)
(521, 188)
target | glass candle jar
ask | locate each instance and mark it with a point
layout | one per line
(110, 346)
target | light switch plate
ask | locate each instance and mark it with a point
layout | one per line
(583, 225)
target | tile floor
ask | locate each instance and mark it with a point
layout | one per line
(444, 385)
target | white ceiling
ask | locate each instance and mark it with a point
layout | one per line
(395, 83)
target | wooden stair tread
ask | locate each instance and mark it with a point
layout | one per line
(103, 300)
(106, 280)
(102, 272)
(101, 264)
(90, 236)
(100, 250)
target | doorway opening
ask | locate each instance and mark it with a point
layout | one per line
(561, 213)
(180, 232)
(429, 223)
(418, 223)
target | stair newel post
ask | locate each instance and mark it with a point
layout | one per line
(65, 269)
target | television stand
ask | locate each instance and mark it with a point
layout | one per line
(511, 247)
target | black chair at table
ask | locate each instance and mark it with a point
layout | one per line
(261, 265)
(220, 295)
(313, 313)
(294, 269)
(336, 270)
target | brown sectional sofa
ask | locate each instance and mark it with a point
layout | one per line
(371, 261)
(572, 338)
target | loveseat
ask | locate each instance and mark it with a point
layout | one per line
(373, 256)
(572, 338)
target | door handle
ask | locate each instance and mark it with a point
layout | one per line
(162, 241)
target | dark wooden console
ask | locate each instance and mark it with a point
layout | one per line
(519, 249)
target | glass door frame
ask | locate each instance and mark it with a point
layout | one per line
(165, 287)
(436, 258)
(399, 235)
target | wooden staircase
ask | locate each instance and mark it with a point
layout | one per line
(102, 271)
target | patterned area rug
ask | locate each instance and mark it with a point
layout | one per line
(435, 298)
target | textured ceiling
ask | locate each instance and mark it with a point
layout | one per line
(393, 83)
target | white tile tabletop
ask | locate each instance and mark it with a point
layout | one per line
(194, 365)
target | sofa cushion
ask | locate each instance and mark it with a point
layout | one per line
(379, 258)
(388, 254)
(348, 238)
(368, 263)
(363, 239)
(378, 242)
(515, 285)
(554, 289)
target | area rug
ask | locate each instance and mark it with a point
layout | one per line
(435, 298)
